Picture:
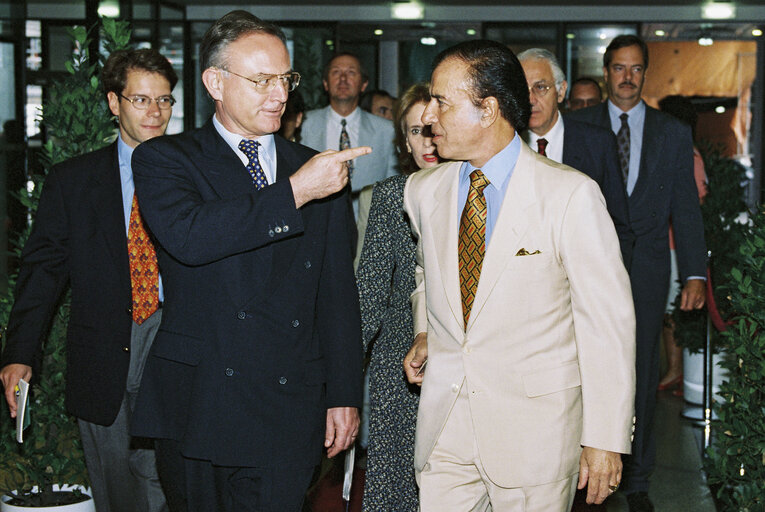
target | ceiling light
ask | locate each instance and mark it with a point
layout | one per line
(756, 32)
(470, 32)
(720, 109)
(408, 11)
(601, 50)
(602, 36)
(109, 9)
(570, 36)
(706, 41)
(660, 33)
(428, 41)
(378, 32)
(718, 11)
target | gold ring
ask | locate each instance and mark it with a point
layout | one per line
(613, 488)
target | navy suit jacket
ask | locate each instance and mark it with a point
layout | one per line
(78, 238)
(260, 330)
(665, 189)
(592, 150)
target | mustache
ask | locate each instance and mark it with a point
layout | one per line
(628, 83)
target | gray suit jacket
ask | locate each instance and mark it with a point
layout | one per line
(374, 131)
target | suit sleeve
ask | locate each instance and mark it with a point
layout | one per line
(685, 211)
(338, 319)
(419, 305)
(616, 197)
(392, 167)
(604, 320)
(196, 230)
(42, 276)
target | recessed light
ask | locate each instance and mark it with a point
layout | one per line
(756, 32)
(718, 11)
(719, 109)
(706, 41)
(378, 32)
(660, 33)
(570, 36)
(470, 32)
(409, 11)
(428, 41)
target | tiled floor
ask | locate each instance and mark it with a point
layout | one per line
(677, 484)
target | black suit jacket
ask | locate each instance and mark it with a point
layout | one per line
(592, 150)
(79, 238)
(260, 330)
(665, 189)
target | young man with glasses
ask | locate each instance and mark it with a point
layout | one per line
(258, 362)
(88, 233)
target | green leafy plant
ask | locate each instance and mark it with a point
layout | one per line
(721, 210)
(77, 121)
(736, 460)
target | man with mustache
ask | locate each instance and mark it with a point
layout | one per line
(656, 157)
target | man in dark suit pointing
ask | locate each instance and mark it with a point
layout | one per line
(656, 160)
(587, 148)
(88, 234)
(257, 361)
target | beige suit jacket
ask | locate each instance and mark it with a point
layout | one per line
(548, 356)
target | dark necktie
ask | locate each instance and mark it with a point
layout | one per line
(250, 148)
(345, 143)
(623, 146)
(541, 146)
(472, 241)
(144, 272)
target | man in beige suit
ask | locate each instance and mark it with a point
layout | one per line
(522, 307)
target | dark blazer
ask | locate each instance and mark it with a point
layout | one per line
(79, 239)
(592, 150)
(260, 330)
(665, 189)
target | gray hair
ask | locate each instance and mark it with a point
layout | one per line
(228, 29)
(546, 55)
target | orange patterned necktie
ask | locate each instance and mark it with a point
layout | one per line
(472, 241)
(144, 272)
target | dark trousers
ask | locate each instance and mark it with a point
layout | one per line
(193, 485)
(638, 466)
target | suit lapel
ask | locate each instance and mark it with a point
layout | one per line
(446, 213)
(106, 198)
(570, 155)
(225, 172)
(512, 223)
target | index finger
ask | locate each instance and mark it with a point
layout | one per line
(351, 153)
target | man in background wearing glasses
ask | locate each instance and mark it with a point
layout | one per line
(257, 363)
(88, 233)
(587, 148)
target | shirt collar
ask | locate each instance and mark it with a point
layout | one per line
(554, 134)
(499, 167)
(351, 118)
(125, 155)
(638, 111)
(233, 140)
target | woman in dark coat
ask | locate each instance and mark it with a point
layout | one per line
(386, 279)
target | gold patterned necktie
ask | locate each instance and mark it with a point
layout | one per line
(345, 143)
(250, 148)
(144, 272)
(472, 241)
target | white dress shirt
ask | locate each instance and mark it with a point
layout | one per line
(334, 127)
(266, 152)
(554, 137)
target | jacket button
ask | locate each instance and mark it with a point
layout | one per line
(229, 372)
(295, 323)
(282, 380)
(277, 229)
(241, 315)
(455, 388)
(271, 233)
(126, 349)
(285, 228)
(307, 264)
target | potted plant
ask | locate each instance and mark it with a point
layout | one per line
(77, 121)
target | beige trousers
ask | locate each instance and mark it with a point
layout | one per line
(454, 480)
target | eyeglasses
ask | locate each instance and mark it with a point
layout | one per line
(265, 82)
(143, 102)
(539, 89)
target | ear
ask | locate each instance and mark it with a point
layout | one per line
(298, 120)
(562, 91)
(364, 86)
(213, 83)
(114, 103)
(326, 85)
(408, 147)
(489, 110)
(605, 73)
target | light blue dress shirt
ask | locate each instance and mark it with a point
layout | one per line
(498, 171)
(125, 154)
(636, 121)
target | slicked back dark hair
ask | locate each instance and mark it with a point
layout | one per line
(114, 73)
(494, 71)
(325, 71)
(623, 41)
(228, 29)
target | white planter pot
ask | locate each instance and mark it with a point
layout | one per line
(85, 506)
(693, 377)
